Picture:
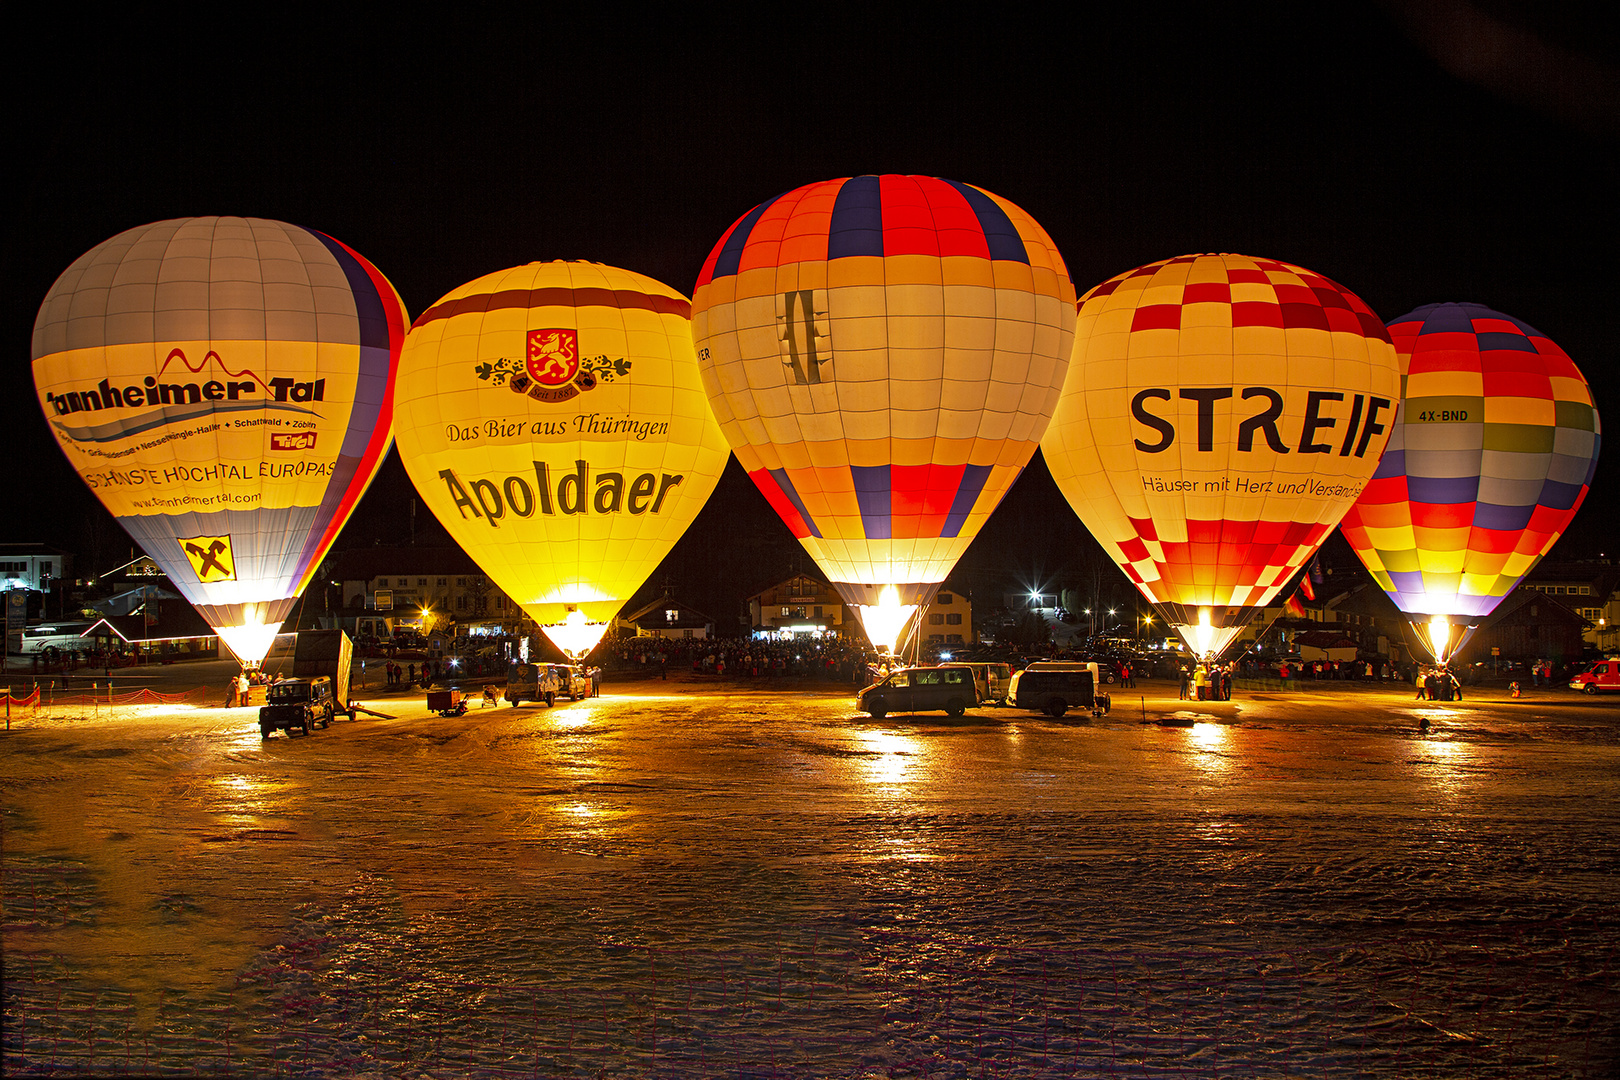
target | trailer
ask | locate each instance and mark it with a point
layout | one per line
(447, 702)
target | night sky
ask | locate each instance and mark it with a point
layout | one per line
(1414, 153)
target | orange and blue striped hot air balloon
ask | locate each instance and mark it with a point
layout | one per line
(883, 353)
(1492, 452)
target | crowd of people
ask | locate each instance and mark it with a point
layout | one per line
(1206, 681)
(1437, 684)
(831, 659)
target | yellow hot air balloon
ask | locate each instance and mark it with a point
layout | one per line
(225, 386)
(552, 417)
(1221, 415)
(883, 354)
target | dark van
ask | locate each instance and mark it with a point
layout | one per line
(1054, 688)
(948, 687)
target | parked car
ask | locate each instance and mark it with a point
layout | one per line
(572, 681)
(1054, 687)
(1603, 675)
(301, 703)
(947, 687)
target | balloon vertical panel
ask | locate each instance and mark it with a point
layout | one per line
(1221, 414)
(225, 385)
(552, 418)
(883, 353)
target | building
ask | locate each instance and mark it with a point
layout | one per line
(667, 617)
(428, 590)
(801, 606)
(1587, 588)
(1527, 625)
(948, 620)
(34, 567)
(164, 629)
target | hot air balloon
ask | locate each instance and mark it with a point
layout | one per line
(883, 353)
(552, 418)
(225, 386)
(1491, 453)
(1220, 416)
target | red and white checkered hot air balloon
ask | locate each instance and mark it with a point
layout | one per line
(883, 354)
(1220, 416)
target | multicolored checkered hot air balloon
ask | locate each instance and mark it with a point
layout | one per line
(552, 418)
(226, 387)
(883, 354)
(1492, 451)
(1220, 416)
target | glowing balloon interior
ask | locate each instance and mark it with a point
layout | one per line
(1492, 453)
(883, 354)
(225, 386)
(1220, 416)
(552, 418)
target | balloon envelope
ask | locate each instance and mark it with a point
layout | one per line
(1220, 416)
(225, 386)
(552, 418)
(1492, 452)
(883, 354)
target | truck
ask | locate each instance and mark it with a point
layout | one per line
(317, 689)
(534, 682)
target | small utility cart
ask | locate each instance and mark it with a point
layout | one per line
(447, 702)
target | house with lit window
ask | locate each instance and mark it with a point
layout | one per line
(948, 619)
(385, 591)
(1587, 588)
(33, 567)
(800, 606)
(667, 617)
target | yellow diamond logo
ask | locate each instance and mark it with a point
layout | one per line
(210, 557)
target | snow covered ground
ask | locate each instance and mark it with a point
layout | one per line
(680, 879)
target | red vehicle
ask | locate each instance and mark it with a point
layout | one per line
(1603, 675)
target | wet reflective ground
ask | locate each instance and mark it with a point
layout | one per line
(677, 880)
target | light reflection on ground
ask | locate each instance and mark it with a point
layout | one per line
(762, 883)
(893, 757)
